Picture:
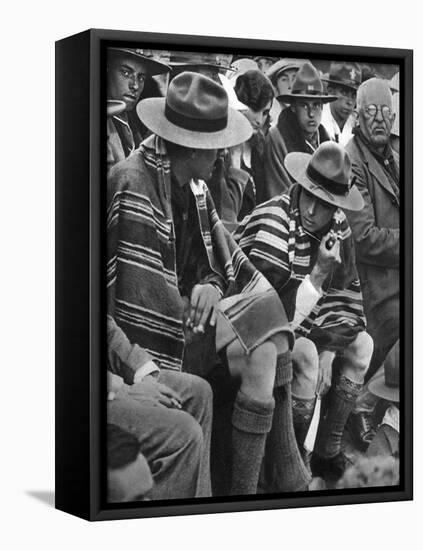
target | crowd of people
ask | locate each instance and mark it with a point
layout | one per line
(252, 274)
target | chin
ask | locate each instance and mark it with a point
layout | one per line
(380, 140)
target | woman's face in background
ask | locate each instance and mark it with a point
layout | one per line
(258, 118)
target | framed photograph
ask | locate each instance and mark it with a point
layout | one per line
(233, 274)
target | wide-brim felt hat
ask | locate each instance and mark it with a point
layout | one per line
(327, 175)
(307, 85)
(115, 107)
(386, 384)
(195, 114)
(145, 56)
(344, 73)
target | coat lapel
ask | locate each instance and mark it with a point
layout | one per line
(377, 171)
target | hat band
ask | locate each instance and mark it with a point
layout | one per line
(328, 185)
(195, 124)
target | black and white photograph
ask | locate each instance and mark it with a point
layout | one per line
(253, 274)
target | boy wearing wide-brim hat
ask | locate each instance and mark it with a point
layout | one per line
(171, 261)
(338, 117)
(302, 243)
(127, 71)
(298, 128)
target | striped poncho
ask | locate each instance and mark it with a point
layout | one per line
(275, 241)
(143, 294)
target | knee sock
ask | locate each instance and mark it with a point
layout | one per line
(302, 413)
(251, 422)
(285, 469)
(341, 401)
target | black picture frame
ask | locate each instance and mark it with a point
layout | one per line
(80, 279)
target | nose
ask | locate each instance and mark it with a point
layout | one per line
(134, 84)
(259, 119)
(379, 116)
(311, 208)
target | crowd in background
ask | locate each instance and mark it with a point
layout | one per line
(253, 274)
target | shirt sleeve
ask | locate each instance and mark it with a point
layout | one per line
(125, 359)
(307, 298)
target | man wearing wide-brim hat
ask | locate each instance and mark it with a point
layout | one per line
(298, 128)
(302, 243)
(338, 117)
(127, 71)
(171, 261)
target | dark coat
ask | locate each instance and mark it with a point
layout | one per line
(377, 236)
(285, 137)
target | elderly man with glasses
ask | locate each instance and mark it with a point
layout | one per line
(376, 232)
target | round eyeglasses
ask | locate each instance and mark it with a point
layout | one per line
(371, 110)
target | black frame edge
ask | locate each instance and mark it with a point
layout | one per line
(72, 368)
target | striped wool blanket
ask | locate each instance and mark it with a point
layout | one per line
(143, 294)
(275, 241)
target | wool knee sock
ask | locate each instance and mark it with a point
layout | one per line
(302, 413)
(285, 469)
(251, 422)
(341, 401)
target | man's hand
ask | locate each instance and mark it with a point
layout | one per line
(326, 260)
(324, 377)
(204, 299)
(149, 389)
(114, 383)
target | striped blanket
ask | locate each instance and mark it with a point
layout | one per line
(143, 294)
(275, 241)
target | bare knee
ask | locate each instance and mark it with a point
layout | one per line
(256, 370)
(359, 353)
(305, 358)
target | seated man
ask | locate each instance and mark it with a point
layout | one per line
(170, 414)
(170, 260)
(298, 128)
(129, 477)
(302, 243)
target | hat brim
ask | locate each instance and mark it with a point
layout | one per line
(340, 83)
(380, 389)
(153, 67)
(296, 164)
(151, 112)
(115, 107)
(287, 98)
(178, 64)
